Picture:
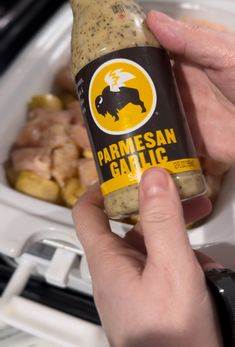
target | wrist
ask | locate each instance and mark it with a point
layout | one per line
(215, 336)
(221, 283)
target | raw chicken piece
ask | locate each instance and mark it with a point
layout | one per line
(78, 134)
(87, 172)
(64, 162)
(204, 23)
(29, 136)
(45, 118)
(63, 79)
(38, 121)
(213, 186)
(213, 167)
(214, 172)
(36, 160)
(54, 136)
(75, 110)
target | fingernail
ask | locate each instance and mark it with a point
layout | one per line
(160, 16)
(154, 181)
(166, 23)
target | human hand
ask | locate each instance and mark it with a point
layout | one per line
(151, 296)
(205, 72)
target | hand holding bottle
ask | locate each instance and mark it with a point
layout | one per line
(205, 71)
(151, 294)
(130, 103)
(155, 294)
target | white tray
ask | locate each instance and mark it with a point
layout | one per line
(25, 220)
(32, 73)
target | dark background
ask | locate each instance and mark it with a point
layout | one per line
(19, 22)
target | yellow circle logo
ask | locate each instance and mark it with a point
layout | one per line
(122, 96)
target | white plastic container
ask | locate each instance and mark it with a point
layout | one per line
(12, 337)
(25, 220)
(33, 72)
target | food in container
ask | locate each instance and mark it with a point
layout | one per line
(130, 103)
(51, 158)
(63, 89)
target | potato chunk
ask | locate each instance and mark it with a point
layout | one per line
(31, 184)
(12, 176)
(47, 102)
(88, 154)
(213, 186)
(72, 191)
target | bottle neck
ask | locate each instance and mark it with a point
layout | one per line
(79, 5)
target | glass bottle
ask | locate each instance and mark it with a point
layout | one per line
(130, 103)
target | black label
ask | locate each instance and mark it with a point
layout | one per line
(134, 116)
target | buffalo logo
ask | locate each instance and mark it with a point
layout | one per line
(122, 96)
(118, 93)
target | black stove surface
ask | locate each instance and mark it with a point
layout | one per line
(69, 301)
(19, 22)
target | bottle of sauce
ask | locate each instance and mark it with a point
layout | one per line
(130, 103)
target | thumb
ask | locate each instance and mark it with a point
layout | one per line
(162, 221)
(200, 45)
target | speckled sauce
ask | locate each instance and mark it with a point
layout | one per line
(104, 26)
(189, 185)
(122, 202)
(101, 27)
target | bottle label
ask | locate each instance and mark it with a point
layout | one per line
(134, 116)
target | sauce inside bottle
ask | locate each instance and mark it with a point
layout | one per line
(130, 103)
(101, 27)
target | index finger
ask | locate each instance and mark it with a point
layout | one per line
(105, 251)
(91, 223)
(197, 44)
(196, 209)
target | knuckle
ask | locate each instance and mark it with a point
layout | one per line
(99, 294)
(76, 212)
(160, 215)
(79, 208)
